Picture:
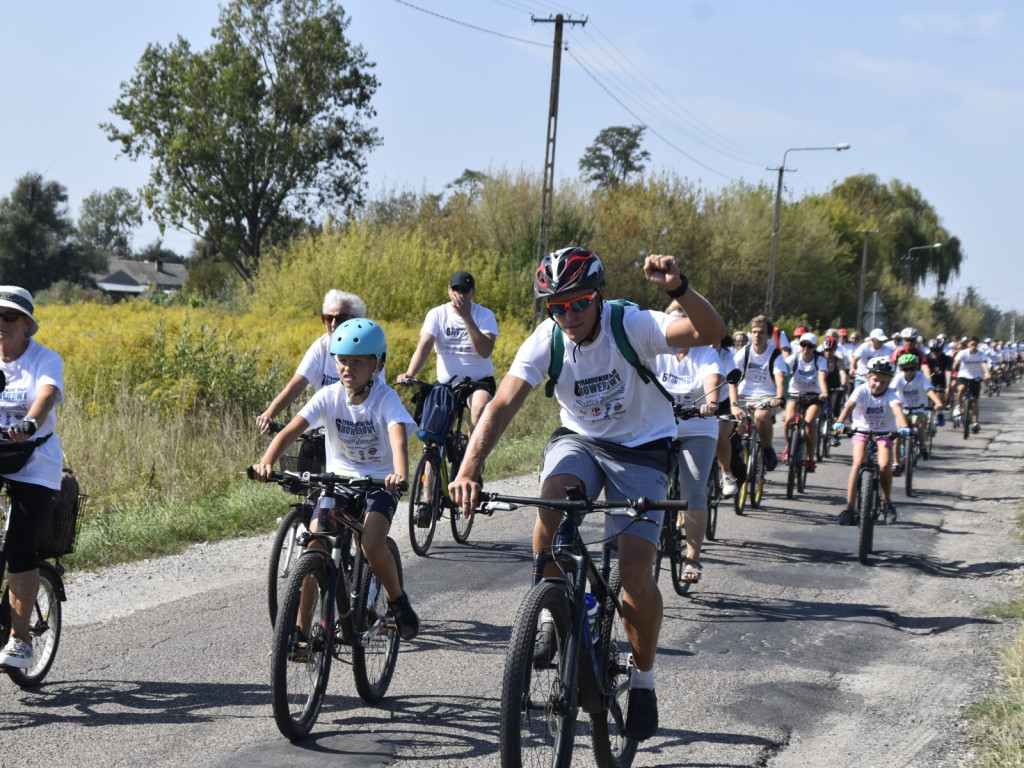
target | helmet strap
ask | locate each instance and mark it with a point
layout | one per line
(362, 391)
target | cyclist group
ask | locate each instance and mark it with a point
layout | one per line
(616, 382)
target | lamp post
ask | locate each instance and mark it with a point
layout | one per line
(910, 258)
(863, 272)
(778, 212)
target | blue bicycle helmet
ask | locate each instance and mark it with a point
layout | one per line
(359, 336)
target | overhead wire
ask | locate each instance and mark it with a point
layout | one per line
(621, 86)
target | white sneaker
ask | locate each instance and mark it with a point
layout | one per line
(729, 487)
(18, 654)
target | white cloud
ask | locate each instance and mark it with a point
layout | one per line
(954, 24)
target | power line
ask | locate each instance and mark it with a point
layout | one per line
(634, 114)
(470, 26)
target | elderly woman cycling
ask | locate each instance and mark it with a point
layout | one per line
(34, 386)
(317, 369)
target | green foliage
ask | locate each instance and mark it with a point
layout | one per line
(37, 237)
(268, 122)
(614, 156)
(106, 221)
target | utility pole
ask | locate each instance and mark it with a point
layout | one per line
(863, 271)
(544, 236)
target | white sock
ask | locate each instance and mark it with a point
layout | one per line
(640, 679)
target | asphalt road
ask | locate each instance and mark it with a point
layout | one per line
(788, 653)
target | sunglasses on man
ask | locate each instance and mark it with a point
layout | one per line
(576, 305)
(335, 319)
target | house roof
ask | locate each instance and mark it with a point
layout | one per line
(128, 276)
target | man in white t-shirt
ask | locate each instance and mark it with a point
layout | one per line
(877, 345)
(616, 432)
(764, 377)
(463, 334)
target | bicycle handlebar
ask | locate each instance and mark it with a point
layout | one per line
(325, 479)
(634, 508)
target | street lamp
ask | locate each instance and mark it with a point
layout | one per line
(910, 259)
(778, 211)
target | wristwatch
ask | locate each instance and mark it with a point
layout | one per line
(33, 426)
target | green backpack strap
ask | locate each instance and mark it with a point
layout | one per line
(617, 308)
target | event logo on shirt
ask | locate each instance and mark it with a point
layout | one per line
(597, 384)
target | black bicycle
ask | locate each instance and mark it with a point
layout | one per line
(908, 450)
(331, 603)
(869, 501)
(429, 499)
(56, 537)
(796, 445)
(588, 670)
(307, 454)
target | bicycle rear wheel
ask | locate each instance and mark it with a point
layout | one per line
(611, 748)
(461, 526)
(866, 503)
(424, 502)
(299, 669)
(536, 723)
(714, 497)
(44, 626)
(375, 652)
(284, 553)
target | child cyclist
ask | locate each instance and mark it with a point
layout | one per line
(874, 407)
(915, 390)
(365, 425)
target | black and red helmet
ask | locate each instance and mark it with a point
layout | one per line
(567, 270)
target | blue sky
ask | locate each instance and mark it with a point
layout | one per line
(930, 93)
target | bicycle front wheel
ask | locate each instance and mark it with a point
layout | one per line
(794, 464)
(801, 463)
(967, 415)
(866, 503)
(424, 502)
(44, 626)
(611, 748)
(461, 526)
(909, 461)
(300, 662)
(740, 499)
(536, 719)
(284, 553)
(713, 490)
(755, 475)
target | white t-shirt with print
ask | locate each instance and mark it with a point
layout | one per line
(357, 435)
(913, 393)
(456, 355)
(805, 373)
(600, 393)
(970, 366)
(37, 366)
(318, 367)
(757, 380)
(684, 380)
(866, 351)
(877, 414)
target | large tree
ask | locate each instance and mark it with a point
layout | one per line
(614, 155)
(107, 220)
(270, 120)
(37, 236)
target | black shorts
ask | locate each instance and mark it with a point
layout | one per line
(974, 384)
(29, 505)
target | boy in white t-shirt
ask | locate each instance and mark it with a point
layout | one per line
(366, 426)
(915, 391)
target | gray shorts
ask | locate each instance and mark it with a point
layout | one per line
(695, 457)
(623, 473)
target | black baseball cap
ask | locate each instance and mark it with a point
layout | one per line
(462, 279)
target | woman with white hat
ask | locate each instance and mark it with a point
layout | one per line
(34, 386)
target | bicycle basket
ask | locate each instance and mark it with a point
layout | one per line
(58, 527)
(307, 455)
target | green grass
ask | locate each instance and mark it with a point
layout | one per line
(998, 721)
(158, 484)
